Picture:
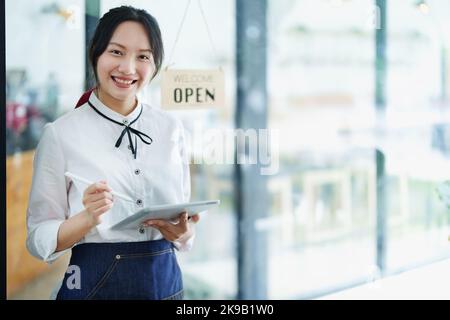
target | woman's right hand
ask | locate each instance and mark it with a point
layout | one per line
(97, 199)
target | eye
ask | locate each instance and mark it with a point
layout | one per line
(115, 52)
(144, 57)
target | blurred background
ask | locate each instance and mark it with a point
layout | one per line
(358, 91)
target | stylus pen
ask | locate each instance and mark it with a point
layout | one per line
(117, 194)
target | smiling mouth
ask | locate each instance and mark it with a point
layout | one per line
(123, 82)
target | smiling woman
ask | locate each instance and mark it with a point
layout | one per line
(126, 53)
(124, 68)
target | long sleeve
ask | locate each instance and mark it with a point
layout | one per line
(184, 153)
(48, 204)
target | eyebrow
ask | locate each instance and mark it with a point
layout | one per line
(122, 46)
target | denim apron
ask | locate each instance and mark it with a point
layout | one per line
(127, 270)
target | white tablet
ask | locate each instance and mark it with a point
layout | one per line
(166, 211)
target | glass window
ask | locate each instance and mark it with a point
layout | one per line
(417, 148)
(321, 87)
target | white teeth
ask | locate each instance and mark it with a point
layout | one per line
(123, 81)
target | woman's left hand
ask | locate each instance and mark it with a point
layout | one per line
(180, 231)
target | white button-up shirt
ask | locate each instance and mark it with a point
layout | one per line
(83, 143)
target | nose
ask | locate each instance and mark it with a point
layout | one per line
(127, 66)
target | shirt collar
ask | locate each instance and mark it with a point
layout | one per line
(100, 106)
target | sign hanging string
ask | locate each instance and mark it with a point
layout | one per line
(181, 27)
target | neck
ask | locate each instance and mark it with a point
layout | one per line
(124, 107)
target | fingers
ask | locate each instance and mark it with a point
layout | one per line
(97, 188)
(183, 217)
(163, 224)
(168, 235)
(195, 218)
(103, 209)
(98, 196)
(97, 199)
(97, 191)
(173, 232)
(101, 203)
(169, 231)
(100, 206)
(95, 214)
(180, 221)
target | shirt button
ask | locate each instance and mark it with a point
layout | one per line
(139, 202)
(129, 147)
(137, 171)
(118, 257)
(125, 121)
(141, 230)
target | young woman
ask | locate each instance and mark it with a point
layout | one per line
(123, 145)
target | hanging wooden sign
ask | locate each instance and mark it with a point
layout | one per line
(190, 88)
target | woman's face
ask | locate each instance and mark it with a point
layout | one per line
(126, 65)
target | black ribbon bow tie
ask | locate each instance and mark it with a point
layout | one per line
(128, 130)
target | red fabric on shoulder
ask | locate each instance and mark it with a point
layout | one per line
(84, 98)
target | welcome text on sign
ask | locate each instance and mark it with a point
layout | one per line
(192, 88)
